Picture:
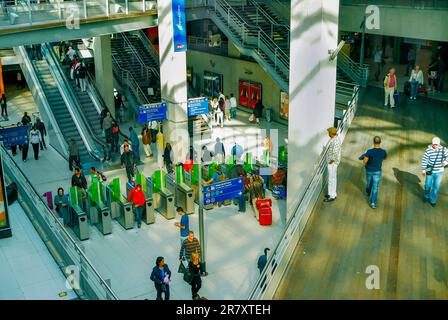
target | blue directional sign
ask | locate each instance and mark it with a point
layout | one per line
(197, 106)
(152, 112)
(224, 190)
(14, 136)
(179, 26)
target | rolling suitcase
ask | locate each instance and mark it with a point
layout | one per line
(263, 203)
(265, 216)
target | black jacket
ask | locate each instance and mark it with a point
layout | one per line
(156, 274)
(128, 159)
(195, 270)
(80, 182)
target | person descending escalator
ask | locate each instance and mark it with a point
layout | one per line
(74, 159)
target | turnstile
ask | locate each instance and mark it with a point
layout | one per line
(148, 216)
(79, 222)
(100, 216)
(185, 197)
(122, 209)
(165, 201)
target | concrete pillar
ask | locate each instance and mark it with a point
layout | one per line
(173, 81)
(312, 85)
(103, 70)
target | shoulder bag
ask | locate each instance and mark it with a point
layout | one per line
(430, 168)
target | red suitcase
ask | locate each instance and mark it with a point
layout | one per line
(265, 216)
(262, 203)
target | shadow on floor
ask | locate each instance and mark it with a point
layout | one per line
(409, 182)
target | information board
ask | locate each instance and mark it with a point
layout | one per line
(197, 106)
(223, 190)
(14, 136)
(152, 112)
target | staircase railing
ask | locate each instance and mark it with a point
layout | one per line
(358, 73)
(153, 51)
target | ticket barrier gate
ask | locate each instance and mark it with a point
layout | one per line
(99, 212)
(148, 216)
(121, 208)
(185, 197)
(165, 200)
(78, 218)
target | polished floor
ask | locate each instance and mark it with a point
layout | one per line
(404, 237)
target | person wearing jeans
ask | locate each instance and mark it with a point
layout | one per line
(333, 160)
(390, 85)
(416, 81)
(373, 161)
(139, 201)
(433, 166)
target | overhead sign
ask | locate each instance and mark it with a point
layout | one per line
(224, 190)
(14, 136)
(152, 112)
(179, 26)
(197, 106)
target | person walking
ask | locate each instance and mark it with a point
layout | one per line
(79, 180)
(233, 105)
(4, 105)
(139, 201)
(125, 143)
(220, 152)
(74, 159)
(107, 127)
(35, 140)
(416, 81)
(190, 245)
(161, 276)
(195, 268)
(390, 85)
(146, 140)
(433, 166)
(115, 136)
(378, 59)
(135, 143)
(183, 225)
(118, 99)
(227, 109)
(26, 120)
(219, 111)
(168, 157)
(61, 206)
(129, 161)
(333, 160)
(373, 160)
(440, 68)
(258, 111)
(43, 133)
(262, 260)
(82, 76)
(246, 187)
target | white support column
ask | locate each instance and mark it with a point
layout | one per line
(103, 70)
(312, 87)
(173, 78)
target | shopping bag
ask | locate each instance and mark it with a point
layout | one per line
(188, 276)
(182, 268)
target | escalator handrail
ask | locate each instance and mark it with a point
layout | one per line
(75, 110)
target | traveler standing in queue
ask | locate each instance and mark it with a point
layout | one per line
(161, 276)
(139, 201)
(61, 204)
(333, 160)
(433, 166)
(129, 161)
(196, 270)
(390, 85)
(146, 140)
(416, 81)
(78, 180)
(135, 144)
(378, 59)
(220, 152)
(125, 143)
(168, 157)
(183, 225)
(43, 133)
(373, 160)
(73, 158)
(4, 106)
(233, 105)
(115, 136)
(35, 140)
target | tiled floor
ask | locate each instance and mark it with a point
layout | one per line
(28, 271)
(234, 241)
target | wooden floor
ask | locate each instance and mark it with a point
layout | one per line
(406, 238)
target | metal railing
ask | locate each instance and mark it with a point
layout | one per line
(92, 284)
(203, 44)
(27, 12)
(153, 51)
(277, 264)
(357, 72)
(415, 4)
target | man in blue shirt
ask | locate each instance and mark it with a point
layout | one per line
(184, 225)
(373, 160)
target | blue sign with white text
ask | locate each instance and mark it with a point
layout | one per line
(152, 112)
(197, 106)
(223, 190)
(14, 136)
(179, 26)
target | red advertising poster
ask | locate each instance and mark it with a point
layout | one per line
(244, 94)
(254, 94)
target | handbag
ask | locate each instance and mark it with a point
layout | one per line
(188, 276)
(182, 268)
(163, 287)
(430, 168)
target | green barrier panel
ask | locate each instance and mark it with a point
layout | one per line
(212, 169)
(94, 192)
(75, 196)
(180, 175)
(158, 181)
(141, 180)
(115, 189)
(194, 174)
(283, 154)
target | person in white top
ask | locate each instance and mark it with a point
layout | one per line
(71, 53)
(219, 112)
(227, 109)
(233, 106)
(35, 140)
(416, 81)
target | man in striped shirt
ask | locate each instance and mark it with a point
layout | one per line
(433, 163)
(190, 245)
(333, 160)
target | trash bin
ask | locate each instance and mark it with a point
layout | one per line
(268, 114)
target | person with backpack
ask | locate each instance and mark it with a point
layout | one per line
(161, 276)
(35, 140)
(146, 140)
(82, 76)
(138, 199)
(43, 133)
(216, 177)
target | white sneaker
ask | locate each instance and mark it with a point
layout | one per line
(385, 104)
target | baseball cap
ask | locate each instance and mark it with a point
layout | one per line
(436, 140)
